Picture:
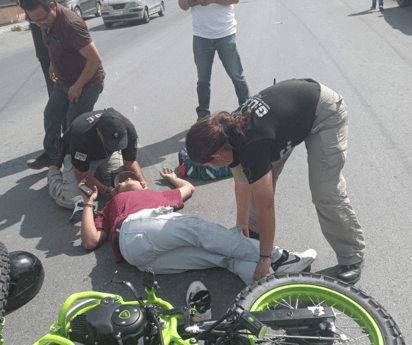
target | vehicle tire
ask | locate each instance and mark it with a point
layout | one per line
(162, 9)
(108, 25)
(4, 283)
(357, 314)
(146, 17)
(78, 11)
(98, 9)
(404, 3)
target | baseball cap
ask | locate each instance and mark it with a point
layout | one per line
(123, 176)
(113, 130)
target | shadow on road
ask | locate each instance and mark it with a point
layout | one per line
(399, 18)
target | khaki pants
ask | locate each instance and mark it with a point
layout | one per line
(63, 185)
(327, 145)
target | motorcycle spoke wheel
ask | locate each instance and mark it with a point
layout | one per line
(359, 319)
(352, 320)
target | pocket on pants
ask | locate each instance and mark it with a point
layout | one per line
(333, 141)
(139, 248)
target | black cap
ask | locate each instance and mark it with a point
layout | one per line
(123, 176)
(113, 130)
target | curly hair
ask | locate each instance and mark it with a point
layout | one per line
(208, 135)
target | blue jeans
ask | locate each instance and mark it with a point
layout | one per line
(204, 51)
(59, 109)
(374, 2)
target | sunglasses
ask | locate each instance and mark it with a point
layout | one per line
(40, 21)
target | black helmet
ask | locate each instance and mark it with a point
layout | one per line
(26, 279)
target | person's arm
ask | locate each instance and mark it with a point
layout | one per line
(243, 195)
(186, 4)
(134, 167)
(91, 237)
(220, 2)
(185, 187)
(93, 62)
(91, 180)
(263, 195)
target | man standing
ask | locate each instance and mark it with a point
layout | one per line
(76, 70)
(96, 142)
(214, 29)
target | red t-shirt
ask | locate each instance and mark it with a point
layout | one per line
(67, 35)
(127, 203)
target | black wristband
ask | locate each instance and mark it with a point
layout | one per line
(265, 256)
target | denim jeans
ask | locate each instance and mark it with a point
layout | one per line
(204, 52)
(60, 108)
(169, 243)
(374, 2)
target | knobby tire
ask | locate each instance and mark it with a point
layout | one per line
(361, 319)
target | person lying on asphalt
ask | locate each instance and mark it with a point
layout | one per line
(144, 230)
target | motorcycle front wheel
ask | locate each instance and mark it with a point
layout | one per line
(359, 319)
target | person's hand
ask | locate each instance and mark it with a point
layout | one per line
(52, 74)
(244, 228)
(262, 269)
(168, 173)
(193, 3)
(88, 199)
(113, 192)
(204, 2)
(74, 93)
(144, 185)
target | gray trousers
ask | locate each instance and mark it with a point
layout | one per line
(326, 146)
(169, 242)
(63, 185)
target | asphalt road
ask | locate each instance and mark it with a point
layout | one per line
(151, 78)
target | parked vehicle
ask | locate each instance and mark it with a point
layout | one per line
(404, 3)
(83, 8)
(115, 11)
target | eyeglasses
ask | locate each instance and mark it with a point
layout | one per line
(40, 21)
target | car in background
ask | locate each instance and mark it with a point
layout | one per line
(115, 11)
(83, 8)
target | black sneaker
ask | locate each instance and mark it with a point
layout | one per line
(43, 161)
(373, 8)
(198, 297)
(381, 8)
(350, 273)
(291, 262)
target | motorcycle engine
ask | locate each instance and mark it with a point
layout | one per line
(110, 323)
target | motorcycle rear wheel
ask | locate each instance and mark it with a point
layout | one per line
(359, 318)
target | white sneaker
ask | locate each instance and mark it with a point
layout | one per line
(198, 296)
(291, 262)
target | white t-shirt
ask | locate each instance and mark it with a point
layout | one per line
(213, 21)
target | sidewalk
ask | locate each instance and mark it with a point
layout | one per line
(8, 27)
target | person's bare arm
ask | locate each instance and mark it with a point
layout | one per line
(243, 196)
(263, 195)
(91, 237)
(91, 180)
(186, 188)
(93, 61)
(134, 167)
(220, 2)
(186, 4)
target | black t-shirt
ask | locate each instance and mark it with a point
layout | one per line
(282, 117)
(85, 145)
